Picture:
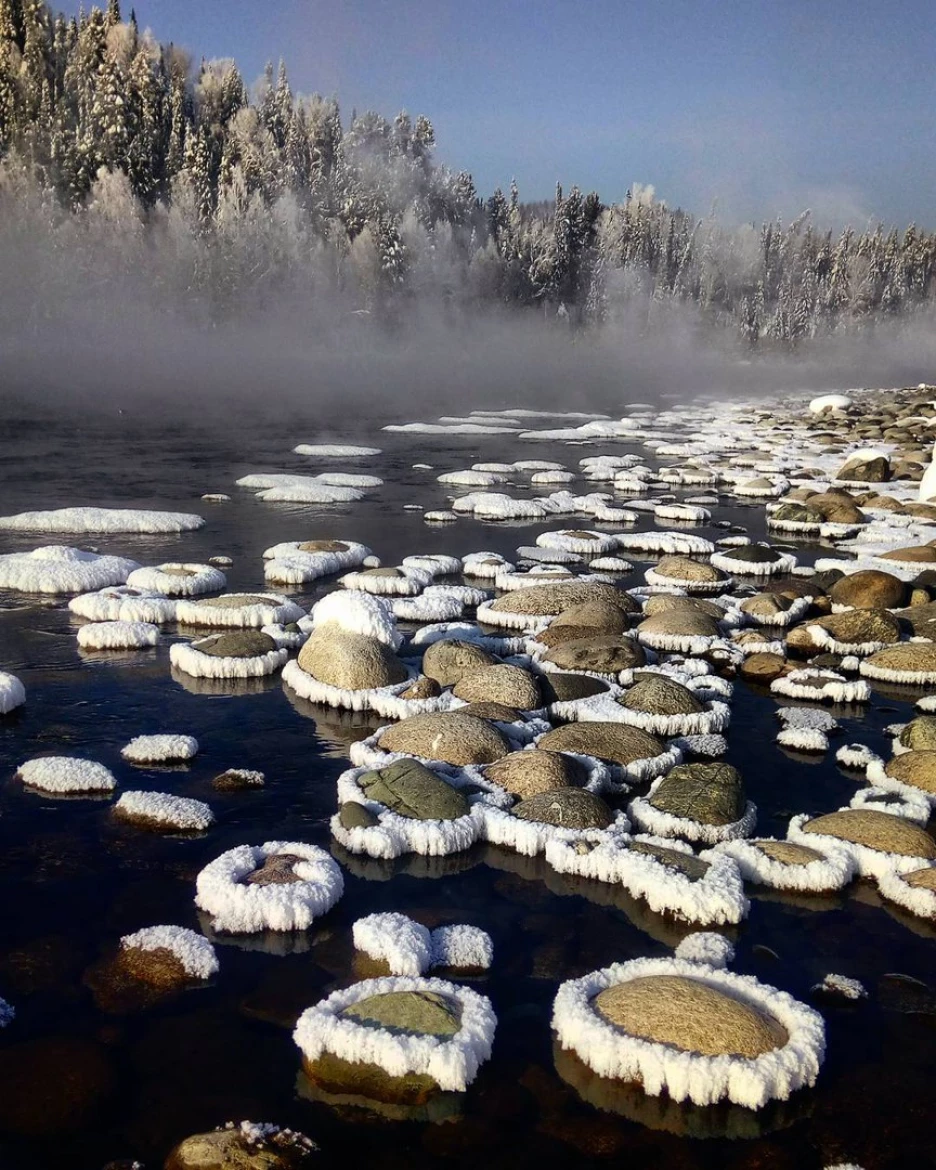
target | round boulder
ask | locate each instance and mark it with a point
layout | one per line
(712, 794)
(410, 789)
(607, 655)
(449, 658)
(916, 768)
(236, 644)
(655, 694)
(690, 1015)
(353, 662)
(511, 685)
(451, 737)
(869, 589)
(529, 773)
(551, 599)
(876, 830)
(568, 808)
(615, 742)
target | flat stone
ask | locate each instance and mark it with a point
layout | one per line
(712, 794)
(569, 808)
(410, 789)
(690, 1015)
(876, 830)
(452, 737)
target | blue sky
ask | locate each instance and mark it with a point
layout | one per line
(767, 106)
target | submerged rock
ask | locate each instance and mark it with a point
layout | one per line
(246, 1146)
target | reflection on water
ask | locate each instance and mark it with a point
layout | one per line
(85, 1079)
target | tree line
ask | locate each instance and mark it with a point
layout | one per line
(117, 144)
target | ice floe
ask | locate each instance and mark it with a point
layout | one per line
(175, 579)
(118, 636)
(101, 521)
(163, 810)
(66, 775)
(160, 749)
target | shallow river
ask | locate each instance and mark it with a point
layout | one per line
(83, 1082)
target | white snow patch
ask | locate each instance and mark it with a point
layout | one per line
(100, 521)
(163, 808)
(159, 749)
(58, 569)
(118, 636)
(714, 950)
(122, 603)
(64, 775)
(194, 951)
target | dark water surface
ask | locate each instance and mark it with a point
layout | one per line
(83, 1081)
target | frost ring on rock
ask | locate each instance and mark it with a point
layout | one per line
(125, 604)
(66, 775)
(240, 610)
(176, 579)
(393, 834)
(194, 952)
(291, 901)
(664, 824)
(160, 749)
(118, 636)
(409, 583)
(914, 891)
(821, 686)
(683, 1075)
(190, 660)
(833, 869)
(606, 708)
(715, 898)
(869, 862)
(452, 1063)
(58, 569)
(101, 521)
(913, 805)
(12, 693)
(335, 450)
(385, 701)
(297, 562)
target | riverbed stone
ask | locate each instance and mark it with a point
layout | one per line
(450, 736)
(568, 808)
(353, 662)
(411, 790)
(688, 1014)
(712, 794)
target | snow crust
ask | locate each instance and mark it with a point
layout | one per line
(157, 749)
(462, 947)
(163, 808)
(194, 951)
(412, 582)
(125, 604)
(404, 945)
(12, 693)
(452, 1063)
(659, 1068)
(118, 636)
(834, 870)
(335, 450)
(100, 521)
(275, 609)
(713, 950)
(177, 579)
(60, 569)
(834, 687)
(64, 775)
(358, 613)
(245, 909)
(190, 660)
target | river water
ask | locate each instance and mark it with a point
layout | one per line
(84, 1081)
